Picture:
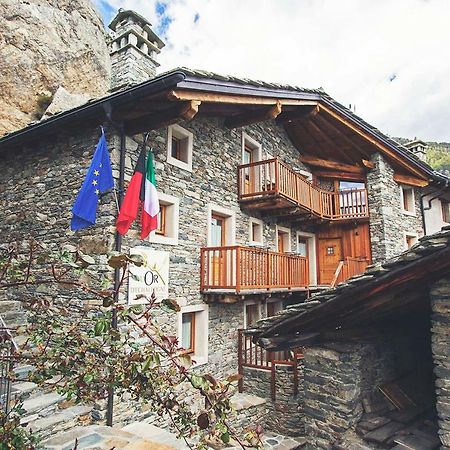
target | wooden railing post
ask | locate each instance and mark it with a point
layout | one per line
(238, 269)
(240, 368)
(295, 373)
(272, 376)
(277, 176)
(202, 268)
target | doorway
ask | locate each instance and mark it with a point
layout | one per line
(330, 254)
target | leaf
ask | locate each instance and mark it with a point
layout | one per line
(69, 248)
(203, 421)
(184, 361)
(225, 437)
(234, 377)
(211, 379)
(88, 378)
(137, 260)
(170, 305)
(197, 381)
(85, 260)
(99, 328)
(116, 261)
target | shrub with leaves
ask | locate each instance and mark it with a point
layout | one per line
(73, 345)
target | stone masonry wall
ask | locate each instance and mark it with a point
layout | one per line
(339, 375)
(387, 221)
(285, 413)
(440, 303)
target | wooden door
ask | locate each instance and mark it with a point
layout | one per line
(218, 260)
(330, 254)
(281, 263)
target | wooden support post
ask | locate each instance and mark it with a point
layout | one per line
(238, 269)
(240, 368)
(273, 377)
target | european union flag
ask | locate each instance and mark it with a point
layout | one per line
(98, 180)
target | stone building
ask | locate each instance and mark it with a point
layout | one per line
(268, 192)
(376, 366)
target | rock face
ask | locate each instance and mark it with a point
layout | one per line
(45, 44)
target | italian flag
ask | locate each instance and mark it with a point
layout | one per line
(141, 190)
(150, 206)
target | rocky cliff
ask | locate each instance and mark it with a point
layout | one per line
(44, 45)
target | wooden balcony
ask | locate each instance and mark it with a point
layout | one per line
(237, 269)
(273, 185)
(349, 268)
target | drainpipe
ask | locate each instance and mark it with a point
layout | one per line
(118, 248)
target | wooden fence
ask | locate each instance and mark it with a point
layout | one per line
(255, 357)
(240, 268)
(274, 177)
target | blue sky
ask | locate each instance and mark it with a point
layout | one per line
(388, 59)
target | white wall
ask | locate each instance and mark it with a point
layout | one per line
(433, 216)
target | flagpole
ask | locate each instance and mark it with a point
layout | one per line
(118, 248)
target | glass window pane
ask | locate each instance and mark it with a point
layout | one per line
(302, 247)
(187, 331)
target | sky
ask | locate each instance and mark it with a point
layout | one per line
(388, 59)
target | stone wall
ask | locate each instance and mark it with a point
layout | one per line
(339, 375)
(285, 413)
(440, 303)
(387, 221)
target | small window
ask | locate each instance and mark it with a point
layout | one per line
(168, 218)
(410, 240)
(274, 307)
(188, 332)
(445, 205)
(252, 314)
(408, 200)
(161, 230)
(193, 332)
(330, 251)
(302, 246)
(256, 231)
(179, 147)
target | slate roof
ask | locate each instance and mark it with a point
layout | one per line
(190, 78)
(426, 260)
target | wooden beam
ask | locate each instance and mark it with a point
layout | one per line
(368, 164)
(186, 95)
(330, 164)
(342, 135)
(298, 113)
(185, 110)
(249, 117)
(384, 149)
(340, 175)
(410, 181)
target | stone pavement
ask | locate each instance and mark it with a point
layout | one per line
(141, 436)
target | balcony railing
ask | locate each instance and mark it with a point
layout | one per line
(272, 177)
(239, 268)
(255, 357)
(349, 268)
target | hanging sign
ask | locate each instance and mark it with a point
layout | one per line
(152, 276)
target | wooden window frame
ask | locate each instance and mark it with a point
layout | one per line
(192, 336)
(408, 200)
(177, 153)
(161, 230)
(223, 231)
(445, 209)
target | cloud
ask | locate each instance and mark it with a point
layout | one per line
(351, 48)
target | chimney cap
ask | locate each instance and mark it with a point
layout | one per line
(144, 23)
(415, 143)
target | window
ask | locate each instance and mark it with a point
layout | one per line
(274, 307)
(283, 244)
(445, 205)
(256, 231)
(408, 200)
(251, 150)
(161, 230)
(252, 314)
(193, 331)
(188, 332)
(179, 147)
(306, 246)
(168, 218)
(221, 226)
(410, 240)
(302, 246)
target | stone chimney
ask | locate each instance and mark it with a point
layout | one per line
(418, 148)
(133, 49)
